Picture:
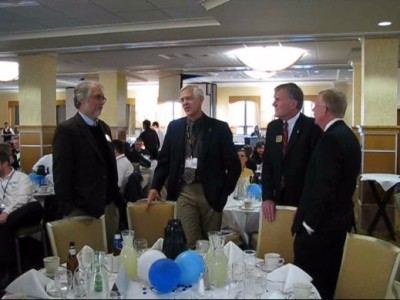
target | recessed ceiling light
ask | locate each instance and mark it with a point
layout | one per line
(385, 23)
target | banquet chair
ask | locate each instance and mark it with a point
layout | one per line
(276, 236)
(83, 230)
(369, 268)
(149, 224)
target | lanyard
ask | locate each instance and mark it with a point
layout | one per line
(5, 188)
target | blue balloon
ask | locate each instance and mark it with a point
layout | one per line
(164, 275)
(255, 190)
(191, 265)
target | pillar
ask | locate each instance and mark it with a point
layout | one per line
(356, 118)
(37, 106)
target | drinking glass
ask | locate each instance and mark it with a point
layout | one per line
(140, 245)
(238, 275)
(249, 258)
(63, 281)
(81, 284)
(202, 247)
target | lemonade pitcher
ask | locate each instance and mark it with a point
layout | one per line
(128, 256)
(218, 270)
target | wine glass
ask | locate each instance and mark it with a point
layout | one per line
(63, 281)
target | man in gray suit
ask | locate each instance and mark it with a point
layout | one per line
(84, 166)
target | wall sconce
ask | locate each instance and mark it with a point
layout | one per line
(269, 58)
(8, 70)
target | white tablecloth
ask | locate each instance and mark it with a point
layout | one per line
(239, 219)
(386, 181)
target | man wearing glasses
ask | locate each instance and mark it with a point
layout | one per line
(84, 166)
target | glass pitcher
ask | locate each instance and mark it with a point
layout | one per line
(100, 286)
(218, 270)
(241, 188)
(128, 256)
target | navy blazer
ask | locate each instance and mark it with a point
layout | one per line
(305, 135)
(80, 171)
(218, 163)
(326, 204)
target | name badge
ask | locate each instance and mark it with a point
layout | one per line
(278, 139)
(191, 163)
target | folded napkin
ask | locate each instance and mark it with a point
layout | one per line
(232, 252)
(289, 274)
(31, 283)
(85, 257)
(158, 244)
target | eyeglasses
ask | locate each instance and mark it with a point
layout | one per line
(99, 97)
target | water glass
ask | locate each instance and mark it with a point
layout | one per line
(81, 284)
(202, 247)
(140, 245)
(63, 281)
(249, 258)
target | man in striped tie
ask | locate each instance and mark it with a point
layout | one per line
(289, 142)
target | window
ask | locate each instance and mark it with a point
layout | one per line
(244, 113)
(169, 111)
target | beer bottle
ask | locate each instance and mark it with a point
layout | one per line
(72, 261)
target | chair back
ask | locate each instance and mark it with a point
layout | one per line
(83, 230)
(369, 267)
(149, 224)
(276, 236)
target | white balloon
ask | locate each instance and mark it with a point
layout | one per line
(146, 260)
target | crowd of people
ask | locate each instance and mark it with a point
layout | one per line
(309, 163)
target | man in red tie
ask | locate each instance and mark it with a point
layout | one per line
(287, 150)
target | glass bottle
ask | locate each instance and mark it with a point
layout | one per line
(72, 260)
(218, 270)
(128, 256)
(116, 251)
(100, 278)
(174, 239)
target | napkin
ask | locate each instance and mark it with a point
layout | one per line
(232, 252)
(85, 257)
(31, 283)
(289, 274)
(158, 244)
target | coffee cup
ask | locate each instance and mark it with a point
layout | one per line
(248, 204)
(51, 263)
(302, 290)
(273, 261)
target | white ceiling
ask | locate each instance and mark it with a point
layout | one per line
(148, 39)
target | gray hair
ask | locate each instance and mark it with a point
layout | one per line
(336, 101)
(197, 91)
(83, 91)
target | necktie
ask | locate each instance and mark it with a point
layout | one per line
(189, 173)
(285, 138)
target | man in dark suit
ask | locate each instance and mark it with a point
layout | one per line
(284, 167)
(150, 139)
(325, 211)
(84, 165)
(199, 158)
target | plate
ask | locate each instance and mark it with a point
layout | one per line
(262, 267)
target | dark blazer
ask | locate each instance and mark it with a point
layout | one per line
(80, 170)
(218, 163)
(151, 142)
(302, 141)
(326, 204)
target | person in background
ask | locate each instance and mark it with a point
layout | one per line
(200, 161)
(124, 166)
(7, 132)
(325, 213)
(256, 132)
(16, 153)
(141, 155)
(246, 172)
(250, 162)
(46, 161)
(17, 208)
(84, 166)
(258, 153)
(160, 133)
(287, 152)
(150, 139)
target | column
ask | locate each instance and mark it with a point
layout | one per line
(37, 106)
(356, 118)
(116, 109)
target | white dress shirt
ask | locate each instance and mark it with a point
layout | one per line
(125, 168)
(16, 190)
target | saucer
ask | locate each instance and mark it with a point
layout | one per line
(242, 207)
(262, 267)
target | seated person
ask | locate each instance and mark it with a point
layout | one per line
(17, 208)
(243, 160)
(124, 166)
(141, 155)
(250, 163)
(258, 153)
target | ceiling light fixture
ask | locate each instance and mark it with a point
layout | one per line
(269, 58)
(259, 75)
(384, 23)
(8, 70)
